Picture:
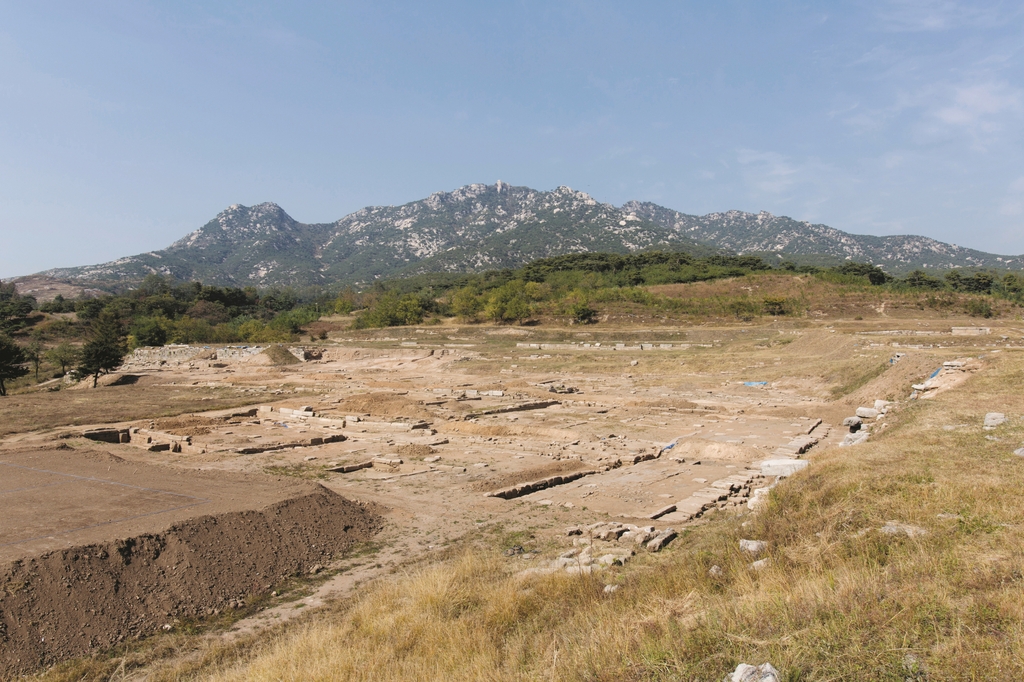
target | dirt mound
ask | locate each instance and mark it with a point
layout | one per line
(383, 405)
(66, 603)
(186, 425)
(415, 450)
(279, 355)
(698, 448)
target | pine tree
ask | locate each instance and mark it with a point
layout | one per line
(105, 348)
(12, 357)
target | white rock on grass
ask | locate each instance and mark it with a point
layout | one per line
(994, 419)
(854, 439)
(754, 547)
(867, 412)
(896, 528)
(760, 564)
(1019, 452)
(751, 673)
(758, 499)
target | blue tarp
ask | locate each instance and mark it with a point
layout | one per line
(755, 383)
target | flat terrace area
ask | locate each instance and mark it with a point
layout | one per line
(53, 499)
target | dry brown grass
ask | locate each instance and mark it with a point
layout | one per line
(37, 411)
(840, 600)
(819, 298)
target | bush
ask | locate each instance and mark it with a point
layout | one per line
(776, 306)
(976, 307)
(745, 309)
(580, 312)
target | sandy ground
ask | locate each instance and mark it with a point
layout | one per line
(439, 417)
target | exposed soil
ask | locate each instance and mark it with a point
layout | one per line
(188, 425)
(384, 405)
(415, 450)
(70, 602)
(149, 397)
(506, 480)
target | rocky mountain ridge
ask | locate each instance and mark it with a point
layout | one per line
(764, 233)
(481, 226)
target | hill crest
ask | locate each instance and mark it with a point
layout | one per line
(481, 226)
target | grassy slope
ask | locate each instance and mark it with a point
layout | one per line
(839, 601)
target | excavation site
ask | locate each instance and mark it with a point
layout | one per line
(340, 465)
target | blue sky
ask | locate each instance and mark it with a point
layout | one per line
(125, 125)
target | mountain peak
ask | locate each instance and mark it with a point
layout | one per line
(479, 226)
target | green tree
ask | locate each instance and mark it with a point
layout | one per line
(12, 357)
(390, 310)
(149, 331)
(509, 302)
(466, 303)
(105, 348)
(919, 279)
(63, 354)
(34, 354)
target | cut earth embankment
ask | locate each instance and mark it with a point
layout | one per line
(70, 602)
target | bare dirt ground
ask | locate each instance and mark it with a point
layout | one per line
(422, 425)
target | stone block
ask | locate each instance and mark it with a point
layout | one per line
(754, 547)
(867, 412)
(104, 435)
(854, 439)
(994, 419)
(661, 540)
(783, 467)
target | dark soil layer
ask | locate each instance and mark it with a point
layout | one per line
(68, 603)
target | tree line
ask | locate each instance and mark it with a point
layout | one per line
(161, 310)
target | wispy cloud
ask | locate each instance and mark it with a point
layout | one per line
(972, 105)
(982, 112)
(937, 15)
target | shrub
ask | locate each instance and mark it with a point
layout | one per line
(976, 307)
(776, 306)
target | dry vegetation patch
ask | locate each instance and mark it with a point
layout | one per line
(898, 559)
(145, 399)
